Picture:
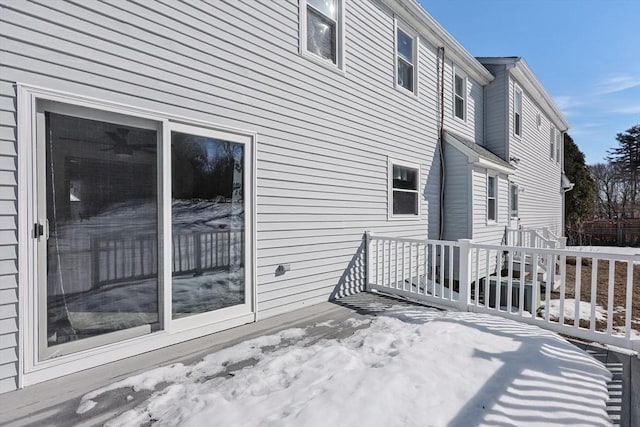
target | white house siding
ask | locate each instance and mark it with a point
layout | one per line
(323, 137)
(472, 127)
(537, 175)
(491, 233)
(457, 202)
(495, 111)
(8, 238)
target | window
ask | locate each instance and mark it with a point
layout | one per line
(492, 205)
(124, 248)
(513, 200)
(406, 53)
(539, 121)
(552, 143)
(404, 186)
(322, 30)
(459, 95)
(558, 145)
(517, 112)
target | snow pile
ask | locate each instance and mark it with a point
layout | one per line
(584, 310)
(411, 366)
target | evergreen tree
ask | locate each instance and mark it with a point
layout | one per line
(579, 202)
(626, 157)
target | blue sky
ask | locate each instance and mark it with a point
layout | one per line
(585, 52)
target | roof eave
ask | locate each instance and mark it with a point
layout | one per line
(416, 16)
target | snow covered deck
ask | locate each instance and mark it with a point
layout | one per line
(362, 360)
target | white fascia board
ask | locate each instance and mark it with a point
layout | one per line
(488, 164)
(428, 28)
(534, 88)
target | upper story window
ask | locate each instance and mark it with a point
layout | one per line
(558, 145)
(517, 111)
(492, 204)
(459, 95)
(406, 59)
(404, 189)
(552, 143)
(321, 30)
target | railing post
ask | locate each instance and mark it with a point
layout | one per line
(533, 238)
(464, 286)
(367, 260)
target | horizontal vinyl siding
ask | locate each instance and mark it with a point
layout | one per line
(8, 237)
(538, 176)
(472, 127)
(324, 137)
(456, 202)
(484, 232)
(495, 120)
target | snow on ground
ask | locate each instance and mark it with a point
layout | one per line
(584, 310)
(410, 366)
(625, 250)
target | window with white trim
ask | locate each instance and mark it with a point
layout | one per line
(321, 30)
(459, 95)
(552, 143)
(492, 198)
(517, 111)
(404, 189)
(513, 200)
(406, 59)
(558, 145)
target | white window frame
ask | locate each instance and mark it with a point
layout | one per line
(339, 65)
(390, 190)
(517, 111)
(558, 146)
(33, 370)
(495, 197)
(458, 73)
(398, 25)
(513, 185)
(552, 143)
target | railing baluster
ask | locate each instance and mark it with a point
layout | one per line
(523, 283)
(477, 277)
(577, 291)
(439, 268)
(383, 264)
(417, 267)
(629, 301)
(535, 288)
(498, 280)
(510, 281)
(451, 273)
(403, 265)
(594, 285)
(610, 284)
(411, 266)
(551, 273)
(397, 285)
(487, 279)
(434, 280)
(563, 282)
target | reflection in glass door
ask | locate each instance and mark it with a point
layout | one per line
(100, 282)
(208, 224)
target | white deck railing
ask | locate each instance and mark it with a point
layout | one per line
(598, 297)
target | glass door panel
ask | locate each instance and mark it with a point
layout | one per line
(208, 224)
(102, 250)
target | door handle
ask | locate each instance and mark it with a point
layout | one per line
(38, 230)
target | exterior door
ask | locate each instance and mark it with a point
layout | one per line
(96, 229)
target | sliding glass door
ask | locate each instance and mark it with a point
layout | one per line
(207, 221)
(140, 226)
